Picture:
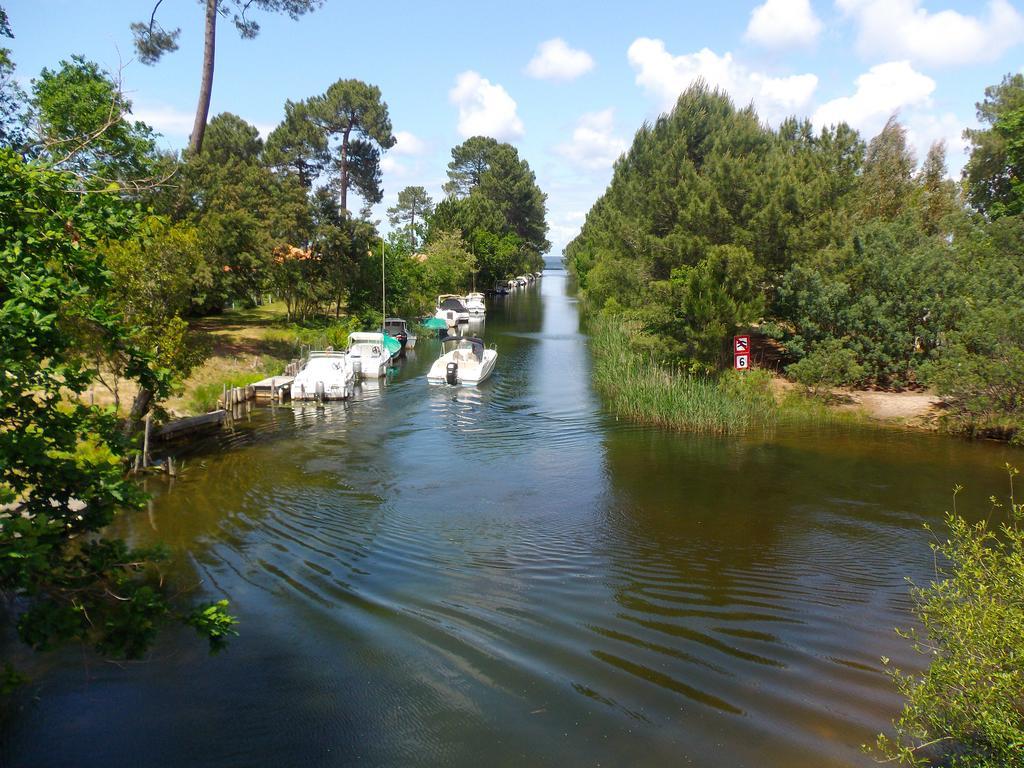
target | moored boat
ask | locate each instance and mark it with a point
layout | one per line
(326, 375)
(465, 361)
(475, 304)
(451, 309)
(399, 329)
(370, 353)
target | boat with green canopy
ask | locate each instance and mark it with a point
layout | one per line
(370, 353)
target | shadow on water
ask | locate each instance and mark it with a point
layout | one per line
(429, 575)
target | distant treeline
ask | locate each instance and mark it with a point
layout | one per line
(860, 267)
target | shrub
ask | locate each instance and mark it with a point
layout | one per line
(831, 364)
(967, 708)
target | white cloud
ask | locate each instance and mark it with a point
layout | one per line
(881, 91)
(905, 29)
(485, 108)
(408, 144)
(594, 145)
(666, 76)
(781, 23)
(555, 60)
(168, 120)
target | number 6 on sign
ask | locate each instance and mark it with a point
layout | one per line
(741, 362)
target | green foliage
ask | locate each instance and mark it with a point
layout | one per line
(411, 212)
(152, 41)
(448, 264)
(994, 170)
(60, 460)
(864, 270)
(355, 114)
(886, 291)
(152, 277)
(831, 364)
(297, 145)
(214, 621)
(980, 372)
(635, 386)
(965, 709)
(495, 203)
(886, 184)
(81, 115)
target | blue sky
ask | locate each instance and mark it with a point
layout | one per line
(567, 83)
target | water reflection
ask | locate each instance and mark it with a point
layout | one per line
(435, 575)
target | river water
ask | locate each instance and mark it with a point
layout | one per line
(504, 576)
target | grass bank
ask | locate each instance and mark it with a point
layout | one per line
(635, 387)
(246, 345)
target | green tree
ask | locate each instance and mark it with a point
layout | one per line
(83, 127)
(495, 203)
(937, 196)
(448, 264)
(469, 162)
(60, 460)
(996, 163)
(411, 211)
(886, 183)
(354, 114)
(152, 41)
(152, 276)
(297, 145)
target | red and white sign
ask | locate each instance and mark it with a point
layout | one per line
(741, 345)
(741, 362)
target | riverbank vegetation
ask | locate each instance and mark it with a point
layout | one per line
(850, 262)
(965, 708)
(634, 385)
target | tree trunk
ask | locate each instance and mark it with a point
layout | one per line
(139, 409)
(206, 87)
(344, 169)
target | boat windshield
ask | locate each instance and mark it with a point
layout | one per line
(465, 349)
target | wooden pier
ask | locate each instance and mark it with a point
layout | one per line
(274, 388)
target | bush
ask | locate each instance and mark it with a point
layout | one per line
(967, 708)
(980, 372)
(831, 364)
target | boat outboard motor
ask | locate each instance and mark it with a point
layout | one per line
(357, 367)
(320, 391)
(452, 373)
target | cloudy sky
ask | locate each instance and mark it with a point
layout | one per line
(567, 83)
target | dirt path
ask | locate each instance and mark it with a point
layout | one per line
(916, 409)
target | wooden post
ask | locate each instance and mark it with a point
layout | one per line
(224, 397)
(145, 441)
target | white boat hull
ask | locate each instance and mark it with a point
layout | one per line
(327, 375)
(470, 373)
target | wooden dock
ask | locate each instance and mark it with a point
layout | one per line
(274, 388)
(191, 425)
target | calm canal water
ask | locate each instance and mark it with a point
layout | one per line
(507, 577)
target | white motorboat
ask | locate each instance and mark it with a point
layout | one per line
(465, 361)
(397, 327)
(538, 274)
(521, 281)
(452, 309)
(475, 304)
(326, 375)
(370, 353)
